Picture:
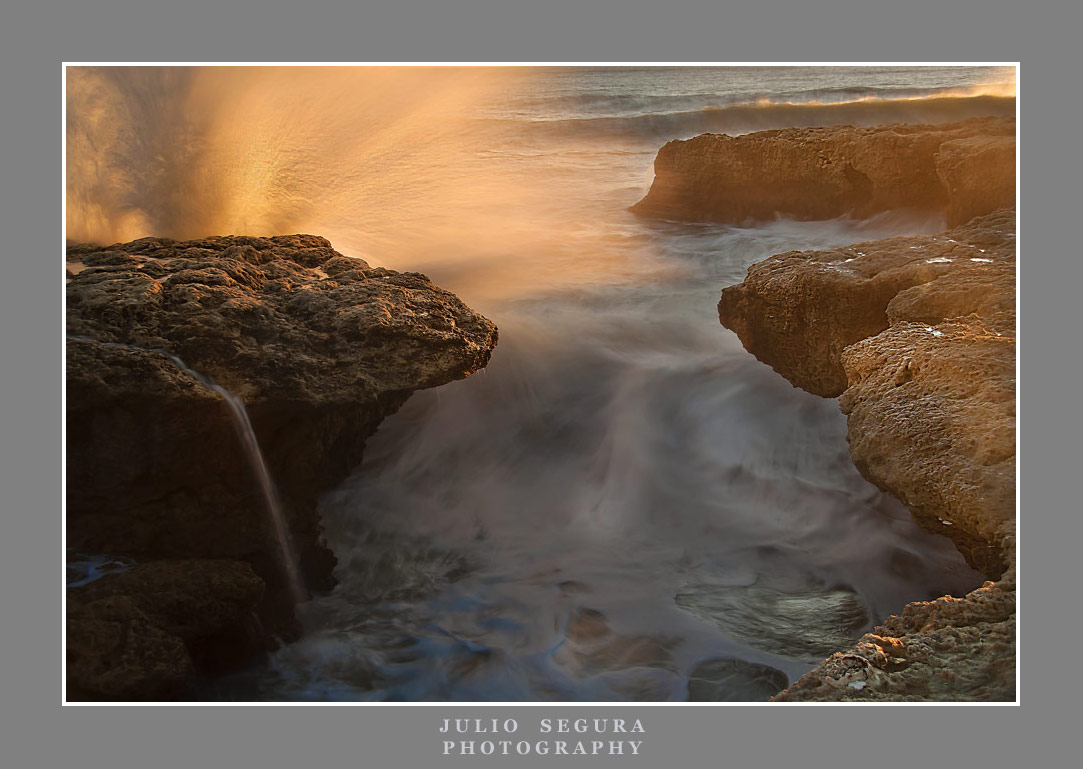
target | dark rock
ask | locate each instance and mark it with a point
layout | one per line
(115, 651)
(156, 469)
(143, 633)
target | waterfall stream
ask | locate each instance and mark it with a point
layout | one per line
(272, 504)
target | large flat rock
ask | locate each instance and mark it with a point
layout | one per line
(962, 169)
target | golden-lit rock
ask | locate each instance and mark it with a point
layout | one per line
(978, 174)
(931, 418)
(799, 310)
(963, 169)
(917, 336)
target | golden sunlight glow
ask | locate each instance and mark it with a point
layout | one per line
(398, 165)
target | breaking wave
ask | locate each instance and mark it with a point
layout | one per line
(745, 117)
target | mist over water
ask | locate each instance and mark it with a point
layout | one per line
(623, 492)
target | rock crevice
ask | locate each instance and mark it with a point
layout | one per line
(915, 335)
(917, 338)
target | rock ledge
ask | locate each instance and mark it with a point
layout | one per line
(320, 348)
(962, 169)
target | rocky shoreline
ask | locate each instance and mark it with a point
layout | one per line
(916, 335)
(929, 394)
(318, 346)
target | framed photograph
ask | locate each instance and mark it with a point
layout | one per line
(540, 384)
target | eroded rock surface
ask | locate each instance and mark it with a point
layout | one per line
(951, 649)
(964, 169)
(320, 348)
(798, 311)
(917, 336)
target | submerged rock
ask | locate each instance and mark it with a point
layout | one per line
(963, 169)
(917, 336)
(734, 680)
(594, 648)
(803, 625)
(320, 348)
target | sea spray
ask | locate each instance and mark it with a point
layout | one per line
(271, 502)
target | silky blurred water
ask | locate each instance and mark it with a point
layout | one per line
(623, 493)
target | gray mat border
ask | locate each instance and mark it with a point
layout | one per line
(37, 38)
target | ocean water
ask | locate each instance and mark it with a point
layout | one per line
(623, 493)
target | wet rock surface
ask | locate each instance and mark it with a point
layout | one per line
(803, 625)
(963, 169)
(593, 647)
(917, 337)
(734, 680)
(320, 348)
